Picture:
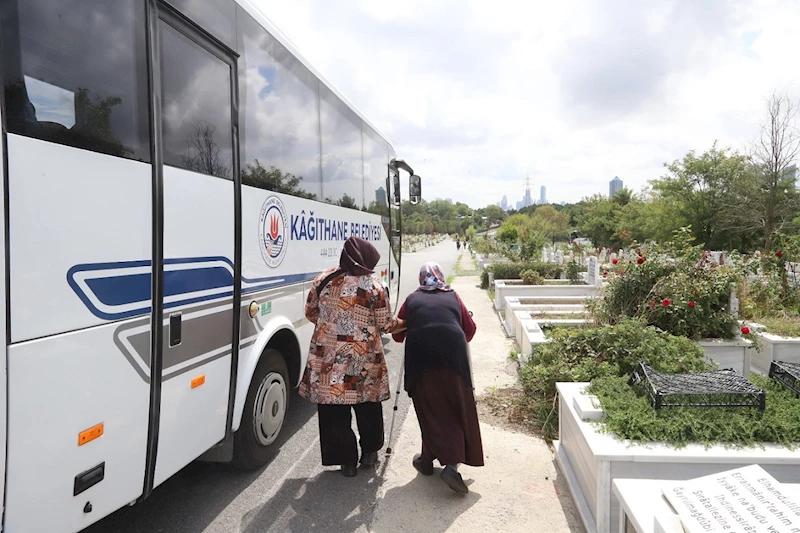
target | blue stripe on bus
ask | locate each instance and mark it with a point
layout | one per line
(129, 289)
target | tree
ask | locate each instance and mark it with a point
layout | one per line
(768, 201)
(494, 214)
(347, 201)
(549, 221)
(597, 218)
(699, 189)
(273, 179)
(623, 196)
(203, 151)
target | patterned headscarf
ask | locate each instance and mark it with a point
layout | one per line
(431, 278)
(358, 257)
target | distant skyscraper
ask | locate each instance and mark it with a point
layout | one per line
(563, 202)
(543, 195)
(504, 203)
(380, 196)
(519, 206)
(614, 186)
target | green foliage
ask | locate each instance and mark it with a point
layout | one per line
(773, 293)
(514, 271)
(782, 325)
(630, 416)
(273, 179)
(531, 277)
(675, 287)
(699, 189)
(585, 354)
(573, 269)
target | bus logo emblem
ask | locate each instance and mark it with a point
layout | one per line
(273, 230)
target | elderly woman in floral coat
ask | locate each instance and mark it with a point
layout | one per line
(346, 366)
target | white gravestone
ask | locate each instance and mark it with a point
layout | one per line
(593, 272)
(742, 500)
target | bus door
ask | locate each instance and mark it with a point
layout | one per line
(195, 105)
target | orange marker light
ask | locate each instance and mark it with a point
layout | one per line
(90, 434)
(196, 382)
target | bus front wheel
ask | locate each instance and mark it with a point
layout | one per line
(264, 412)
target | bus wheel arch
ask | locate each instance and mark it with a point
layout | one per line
(265, 399)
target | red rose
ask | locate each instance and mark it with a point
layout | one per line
(666, 302)
(605, 273)
(745, 330)
(691, 304)
(614, 261)
(778, 254)
(639, 260)
(652, 305)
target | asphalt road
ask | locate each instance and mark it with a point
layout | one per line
(294, 492)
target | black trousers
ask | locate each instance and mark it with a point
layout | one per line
(336, 437)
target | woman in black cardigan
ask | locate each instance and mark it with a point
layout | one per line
(437, 376)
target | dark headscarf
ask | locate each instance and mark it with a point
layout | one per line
(431, 278)
(359, 257)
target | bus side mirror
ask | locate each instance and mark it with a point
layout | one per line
(414, 189)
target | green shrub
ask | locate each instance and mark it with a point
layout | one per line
(514, 271)
(531, 277)
(630, 416)
(582, 355)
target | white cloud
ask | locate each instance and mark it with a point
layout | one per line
(477, 95)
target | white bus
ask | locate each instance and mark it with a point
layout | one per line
(174, 176)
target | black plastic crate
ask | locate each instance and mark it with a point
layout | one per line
(718, 388)
(787, 374)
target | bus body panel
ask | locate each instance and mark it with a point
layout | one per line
(70, 207)
(60, 386)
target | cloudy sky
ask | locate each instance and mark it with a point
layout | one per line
(478, 94)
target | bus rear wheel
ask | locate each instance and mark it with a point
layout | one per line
(264, 413)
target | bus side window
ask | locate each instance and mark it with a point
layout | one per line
(75, 73)
(278, 117)
(342, 160)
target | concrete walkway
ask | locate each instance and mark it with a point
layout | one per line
(518, 489)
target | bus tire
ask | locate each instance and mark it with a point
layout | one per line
(267, 402)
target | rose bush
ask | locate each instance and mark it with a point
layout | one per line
(677, 288)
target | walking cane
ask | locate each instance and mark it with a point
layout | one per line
(394, 409)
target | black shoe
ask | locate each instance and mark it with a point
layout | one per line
(369, 459)
(423, 467)
(349, 470)
(453, 479)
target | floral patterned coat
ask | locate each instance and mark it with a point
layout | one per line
(346, 364)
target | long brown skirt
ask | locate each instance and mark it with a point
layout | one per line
(448, 418)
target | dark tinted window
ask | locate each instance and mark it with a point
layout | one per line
(342, 163)
(279, 118)
(376, 159)
(217, 17)
(75, 73)
(196, 106)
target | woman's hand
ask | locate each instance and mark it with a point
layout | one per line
(395, 326)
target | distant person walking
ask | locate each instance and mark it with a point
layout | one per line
(438, 377)
(346, 366)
